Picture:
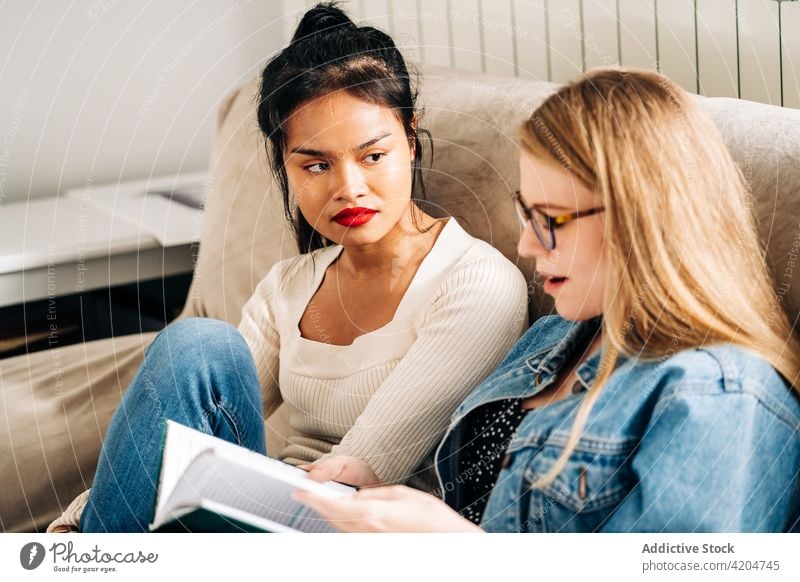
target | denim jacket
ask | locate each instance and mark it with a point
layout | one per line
(705, 440)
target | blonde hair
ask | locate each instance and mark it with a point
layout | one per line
(685, 265)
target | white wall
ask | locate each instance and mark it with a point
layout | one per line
(104, 90)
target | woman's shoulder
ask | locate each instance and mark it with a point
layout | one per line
(300, 268)
(464, 275)
(472, 255)
(723, 370)
(543, 336)
(473, 247)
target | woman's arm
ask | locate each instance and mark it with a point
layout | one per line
(714, 462)
(259, 330)
(480, 311)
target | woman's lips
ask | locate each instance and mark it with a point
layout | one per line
(552, 284)
(354, 216)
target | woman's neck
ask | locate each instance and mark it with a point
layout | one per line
(403, 245)
(596, 344)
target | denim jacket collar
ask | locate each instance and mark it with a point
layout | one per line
(535, 370)
(551, 359)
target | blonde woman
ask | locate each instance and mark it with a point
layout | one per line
(663, 397)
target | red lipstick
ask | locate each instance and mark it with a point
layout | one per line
(354, 216)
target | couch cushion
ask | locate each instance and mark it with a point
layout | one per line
(55, 407)
(473, 120)
(244, 230)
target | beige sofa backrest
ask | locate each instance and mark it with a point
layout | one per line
(765, 142)
(473, 119)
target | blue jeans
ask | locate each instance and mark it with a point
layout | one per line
(198, 372)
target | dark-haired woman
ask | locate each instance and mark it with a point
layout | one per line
(371, 336)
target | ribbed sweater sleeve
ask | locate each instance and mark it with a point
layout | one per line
(479, 312)
(259, 330)
(72, 514)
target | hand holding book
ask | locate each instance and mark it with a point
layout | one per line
(343, 469)
(208, 484)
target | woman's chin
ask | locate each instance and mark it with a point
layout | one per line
(356, 237)
(573, 312)
(370, 233)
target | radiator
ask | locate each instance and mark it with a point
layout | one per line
(748, 49)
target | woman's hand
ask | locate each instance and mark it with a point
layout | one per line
(394, 508)
(348, 470)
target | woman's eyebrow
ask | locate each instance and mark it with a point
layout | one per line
(552, 207)
(323, 154)
(373, 141)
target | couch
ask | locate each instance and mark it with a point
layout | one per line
(55, 405)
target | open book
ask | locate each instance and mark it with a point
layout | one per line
(210, 485)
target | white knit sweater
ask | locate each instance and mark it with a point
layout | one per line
(387, 397)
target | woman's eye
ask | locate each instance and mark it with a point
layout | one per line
(317, 168)
(374, 158)
(545, 224)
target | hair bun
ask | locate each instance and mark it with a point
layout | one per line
(324, 18)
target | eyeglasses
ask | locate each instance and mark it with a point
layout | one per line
(544, 226)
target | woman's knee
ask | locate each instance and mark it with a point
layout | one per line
(198, 338)
(196, 331)
(201, 352)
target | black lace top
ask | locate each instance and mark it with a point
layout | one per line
(489, 430)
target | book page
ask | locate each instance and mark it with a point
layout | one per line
(230, 484)
(181, 445)
(196, 464)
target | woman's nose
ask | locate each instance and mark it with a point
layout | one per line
(350, 183)
(529, 245)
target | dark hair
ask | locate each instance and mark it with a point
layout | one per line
(327, 53)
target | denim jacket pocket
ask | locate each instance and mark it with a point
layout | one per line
(585, 492)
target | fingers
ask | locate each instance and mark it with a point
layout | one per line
(383, 492)
(64, 529)
(340, 513)
(344, 469)
(324, 471)
(394, 508)
(318, 503)
(318, 474)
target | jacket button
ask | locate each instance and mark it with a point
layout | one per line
(538, 378)
(577, 387)
(506, 461)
